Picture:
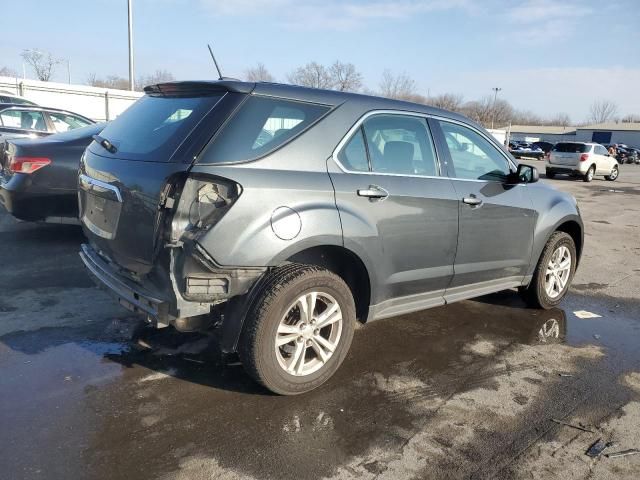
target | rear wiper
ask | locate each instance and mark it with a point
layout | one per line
(106, 144)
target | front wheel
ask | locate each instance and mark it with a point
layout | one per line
(613, 175)
(550, 174)
(298, 330)
(590, 173)
(553, 273)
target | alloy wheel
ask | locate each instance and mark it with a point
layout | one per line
(558, 272)
(308, 333)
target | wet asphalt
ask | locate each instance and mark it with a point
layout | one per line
(88, 391)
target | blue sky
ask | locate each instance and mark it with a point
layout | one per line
(548, 56)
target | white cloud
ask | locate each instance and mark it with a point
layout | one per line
(544, 21)
(331, 14)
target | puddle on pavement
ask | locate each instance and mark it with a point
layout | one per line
(89, 399)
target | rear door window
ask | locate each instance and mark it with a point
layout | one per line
(154, 127)
(400, 144)
(260, 126)
(354, 154)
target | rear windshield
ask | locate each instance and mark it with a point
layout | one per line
(260, 126)
(571, 148)
(152, 128)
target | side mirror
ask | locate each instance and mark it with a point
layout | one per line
(524, 174)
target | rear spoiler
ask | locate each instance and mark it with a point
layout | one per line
(198, 88)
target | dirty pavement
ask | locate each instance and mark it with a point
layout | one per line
(480, 389)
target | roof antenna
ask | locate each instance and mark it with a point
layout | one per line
(215, 62)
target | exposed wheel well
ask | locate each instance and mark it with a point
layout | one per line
(573, 229)
(345, 264)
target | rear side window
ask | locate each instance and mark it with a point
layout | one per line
(261, 125)
(152, 128)
(571, 148)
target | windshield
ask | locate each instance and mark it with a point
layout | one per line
(152, 128)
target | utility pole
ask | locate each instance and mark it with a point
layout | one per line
(131, 73)
(495, 99)
(68, 71)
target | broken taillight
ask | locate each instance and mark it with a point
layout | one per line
(27, 164)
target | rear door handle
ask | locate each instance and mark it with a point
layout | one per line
(374, 192)
(472, 200)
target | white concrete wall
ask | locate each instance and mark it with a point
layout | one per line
(96, 103)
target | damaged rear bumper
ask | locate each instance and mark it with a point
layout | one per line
(129, 295)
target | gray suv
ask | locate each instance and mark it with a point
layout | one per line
(282, 216)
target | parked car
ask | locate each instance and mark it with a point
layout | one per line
(546, 147)
(19, 121)
(626, 155)
(8, 97)
(580, 159)
(39, 178)
(349, 208)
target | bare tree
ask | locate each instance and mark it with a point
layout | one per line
(631, 118)
(401, 87)
(311, 75)
(112, 81)
(7, 72)
(447, 101)
(602, 111)
(560, 120)
(259, 73)
(486, 110)
(158, 76)
(345, 77)
(43, 63)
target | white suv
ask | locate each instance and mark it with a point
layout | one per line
(581, 159)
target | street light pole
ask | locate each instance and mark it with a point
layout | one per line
(130, 14)
(495, 99)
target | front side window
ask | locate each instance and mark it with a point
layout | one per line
(400, 144)
(63, 122)
(472, 155)
(261, 125)
(23, 119)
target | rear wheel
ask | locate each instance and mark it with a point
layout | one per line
(590, 173)
(554, 272)
(613, 175)
(298, 330)
(550, 173)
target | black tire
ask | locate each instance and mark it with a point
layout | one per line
(278, 292)
(550, 174)
(535, 294)
(615, 173)
(590, 173)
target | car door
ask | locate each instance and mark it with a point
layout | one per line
(604, 161)
(497, 219)
(398, 209)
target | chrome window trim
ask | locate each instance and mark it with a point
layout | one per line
(426, 116)
(98, 183)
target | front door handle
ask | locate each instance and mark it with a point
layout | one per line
(374, 192)
(472, 200)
